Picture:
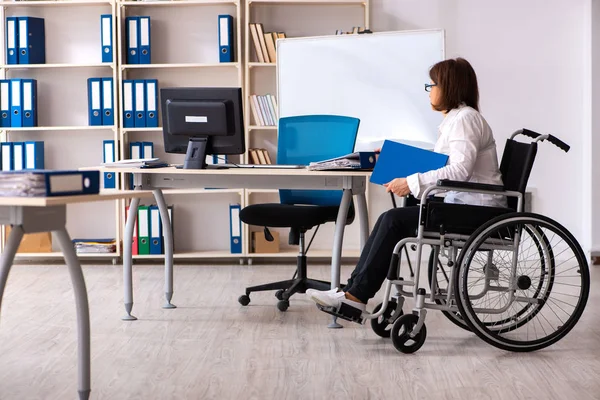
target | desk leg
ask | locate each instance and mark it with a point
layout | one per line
(83, 311)
(363, 215)
(128, 259)
(10, 249)
(338, 238)
(168, 242)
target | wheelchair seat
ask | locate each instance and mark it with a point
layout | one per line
(462, 219)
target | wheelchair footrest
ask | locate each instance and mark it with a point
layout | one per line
(345, 311)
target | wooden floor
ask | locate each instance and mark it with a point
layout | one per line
(212, 348)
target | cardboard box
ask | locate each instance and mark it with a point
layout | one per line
(33, 242)
(261, 245)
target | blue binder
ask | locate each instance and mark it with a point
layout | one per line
(147, 150)
(94, 101)
(108, 155)
(7, 156)
(67, 182)
(34, 155)
(32, 40)
(136, 151)
(5, 103)
(128, 104)
(18, 154)
(132, 40)
(12, 40)
(29, 96)
(106, 34)
(235, 229)
(139, 102)
(226, 38)
(398, 160)
(151, 103)
(108, 114)
(144, 40)
(16, 108)
(156, 232)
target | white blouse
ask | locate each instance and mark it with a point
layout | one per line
(467, 139)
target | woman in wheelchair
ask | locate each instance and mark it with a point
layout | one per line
(476, 199)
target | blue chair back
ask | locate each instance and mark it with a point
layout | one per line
(307, 138)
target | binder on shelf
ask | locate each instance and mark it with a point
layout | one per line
(16, 119)
(156, 232)
(398, 160)
(147, 150)
(7, 156)
(143, 230)
(128, 103)
(106, 33)
(108, 152)
(5, 114)
(144, 40)
(235, 229)
(94, 101)
(131, 32)
(34, 155)
(151, 103)
(134, 244)
(139, 103)
(135, 150)
(226, 38)
(32, 40)
(12, 37)
(18, 149)
(108, 114)
(29, 90)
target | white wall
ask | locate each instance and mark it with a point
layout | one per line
(530, 61)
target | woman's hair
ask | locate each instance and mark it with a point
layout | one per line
(457, 83)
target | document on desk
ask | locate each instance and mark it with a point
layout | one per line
(358, 160)
(133, 163)
(49, 183)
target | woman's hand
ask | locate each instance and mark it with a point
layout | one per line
(398, 186)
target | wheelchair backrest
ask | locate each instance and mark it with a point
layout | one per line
(516, 165)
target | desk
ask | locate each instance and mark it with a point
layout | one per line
(156, 179)
(49, 214)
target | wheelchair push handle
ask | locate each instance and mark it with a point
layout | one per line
(552, 139)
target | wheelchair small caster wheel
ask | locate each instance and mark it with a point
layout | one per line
(279, 294)
(244, 299)
(382, 326)
(283, 305)
(401, 331)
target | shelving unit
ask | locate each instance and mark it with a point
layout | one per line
(73, 54)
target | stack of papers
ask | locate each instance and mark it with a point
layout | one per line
(358, 160)
(22, 185)
(134, 163)
(95, 245)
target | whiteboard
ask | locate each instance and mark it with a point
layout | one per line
(378, 78)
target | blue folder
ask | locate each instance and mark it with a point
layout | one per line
(398, 160)
(32, 40)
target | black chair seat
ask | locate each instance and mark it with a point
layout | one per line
(278, 215)
(462, 219)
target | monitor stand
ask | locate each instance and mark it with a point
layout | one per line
(195, 156)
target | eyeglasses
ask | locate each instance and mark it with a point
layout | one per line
(428, 86)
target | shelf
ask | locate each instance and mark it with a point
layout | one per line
(59, 254)
(262, 128)
(167, 192)
(47, 66)
(311, 253)
(310, 2)
(159, 129)
(176, 2)
(184, 65)
(55, 3)
(60, 128)
(252, 191)
(189, 255)
(261, 64)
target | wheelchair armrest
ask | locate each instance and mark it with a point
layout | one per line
(447, 183)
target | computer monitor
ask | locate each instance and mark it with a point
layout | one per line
(202, 121)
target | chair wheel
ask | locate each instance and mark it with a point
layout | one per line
(279, 294)
(401, 331)
(244, 299)
(283, 305)
(382, 326)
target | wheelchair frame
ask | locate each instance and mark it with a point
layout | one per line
(448, 245)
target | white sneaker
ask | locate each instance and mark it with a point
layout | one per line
(335, 300)
(309, 292)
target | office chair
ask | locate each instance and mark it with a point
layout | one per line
(302, 139)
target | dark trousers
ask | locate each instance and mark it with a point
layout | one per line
(374, 263)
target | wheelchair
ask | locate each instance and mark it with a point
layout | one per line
(518, 280)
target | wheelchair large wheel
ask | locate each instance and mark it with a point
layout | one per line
(528, 301)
